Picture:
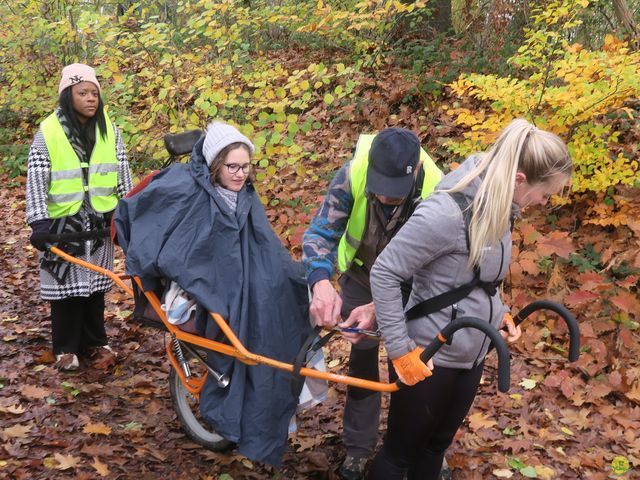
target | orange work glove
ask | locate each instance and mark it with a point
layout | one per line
(410, 368)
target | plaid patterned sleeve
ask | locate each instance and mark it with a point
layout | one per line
(320, 241)
(38, 174)
(124, 172)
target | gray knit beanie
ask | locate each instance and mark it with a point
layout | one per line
(220, 135)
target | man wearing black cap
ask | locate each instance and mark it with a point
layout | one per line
(368, 201)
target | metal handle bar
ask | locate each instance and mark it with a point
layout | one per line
(221, 379)
(235, 350)
(94, 268)
(572, 324)
(478, 324)
(73, 236)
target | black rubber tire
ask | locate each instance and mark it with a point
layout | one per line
(186, 407)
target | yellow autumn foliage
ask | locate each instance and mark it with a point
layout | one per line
(562, 87)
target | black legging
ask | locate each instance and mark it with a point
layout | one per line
(423, 420)
(77, 324)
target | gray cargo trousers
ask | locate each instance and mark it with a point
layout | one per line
(362, 407)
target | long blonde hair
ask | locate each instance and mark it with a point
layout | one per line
(521, 147)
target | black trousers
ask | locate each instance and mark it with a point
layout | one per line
(77, 324)
(362, 406)
(422, 422)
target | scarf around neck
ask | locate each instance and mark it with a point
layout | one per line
(81, 139)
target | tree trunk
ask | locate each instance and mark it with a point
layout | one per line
(627, 22)
(441, 20)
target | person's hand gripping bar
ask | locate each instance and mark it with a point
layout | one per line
(410, 368)
(464, 322)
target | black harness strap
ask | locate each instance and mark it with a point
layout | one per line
(446, 299)
(297, 380)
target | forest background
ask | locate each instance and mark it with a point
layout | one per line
(302, 79)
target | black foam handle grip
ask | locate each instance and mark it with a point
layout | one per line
(472, 322)
(572, 324)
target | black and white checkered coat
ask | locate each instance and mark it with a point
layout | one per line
(80, 282)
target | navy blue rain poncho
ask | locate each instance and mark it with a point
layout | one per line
(179, 228)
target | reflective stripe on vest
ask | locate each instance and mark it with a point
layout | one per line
(350, 241)
(66, 186)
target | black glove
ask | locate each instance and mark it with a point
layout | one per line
(40, 229)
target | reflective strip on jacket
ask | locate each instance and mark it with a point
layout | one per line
(66, 186)
(350, 241)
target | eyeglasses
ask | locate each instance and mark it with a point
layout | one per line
(234, 168)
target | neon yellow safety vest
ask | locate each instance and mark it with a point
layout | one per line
(350, 241)
(67, 188)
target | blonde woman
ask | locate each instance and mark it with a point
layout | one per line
(458, 235)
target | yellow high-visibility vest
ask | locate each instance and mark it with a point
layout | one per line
(67, 188)
(350, 241)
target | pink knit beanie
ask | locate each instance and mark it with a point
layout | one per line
(76, 73)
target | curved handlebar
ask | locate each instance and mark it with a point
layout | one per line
(572, 324)
(488, 329)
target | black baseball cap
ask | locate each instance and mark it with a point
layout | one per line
(393, 157)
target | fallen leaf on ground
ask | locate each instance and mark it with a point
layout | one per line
(480, 420)
(99, 428)
(15, 409)
(503, 473)
(65, 462)
(100, 467)
(17, 431)
(544, 472)
(34, 392)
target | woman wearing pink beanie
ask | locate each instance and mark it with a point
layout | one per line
(77, 171)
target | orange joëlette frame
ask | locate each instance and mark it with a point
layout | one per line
(236, 349)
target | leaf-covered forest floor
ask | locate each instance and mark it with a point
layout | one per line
(559, 420)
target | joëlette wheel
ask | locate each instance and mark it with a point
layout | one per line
(186, 407)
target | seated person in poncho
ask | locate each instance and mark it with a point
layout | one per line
(202, 226)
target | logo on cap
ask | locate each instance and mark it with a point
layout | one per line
(409, 169)
(75, 79)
